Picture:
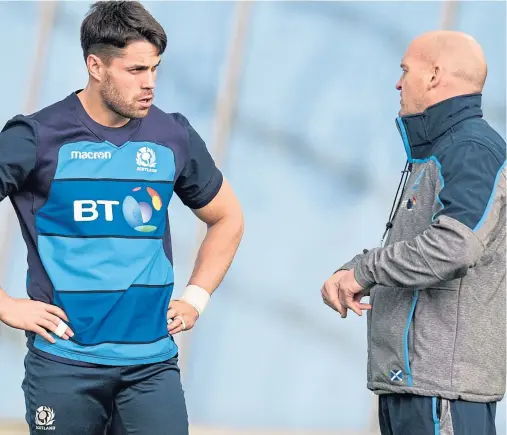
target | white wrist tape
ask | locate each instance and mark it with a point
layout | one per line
(196, 296)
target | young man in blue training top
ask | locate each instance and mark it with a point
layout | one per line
(90, 178)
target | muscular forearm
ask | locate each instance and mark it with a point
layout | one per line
(217, 252)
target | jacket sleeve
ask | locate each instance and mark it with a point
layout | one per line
(352, 264)
(471, 198)
(17, 154)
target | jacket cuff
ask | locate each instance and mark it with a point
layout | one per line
(361, 277)
(352, 263)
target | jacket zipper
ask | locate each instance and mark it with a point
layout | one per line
(415, 297)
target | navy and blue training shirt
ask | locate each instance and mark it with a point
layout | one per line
(92, 205)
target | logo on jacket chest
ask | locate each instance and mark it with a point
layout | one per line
(409, 203)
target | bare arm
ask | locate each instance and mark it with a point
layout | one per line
(202, 187)
(224, 219)
(17, 161)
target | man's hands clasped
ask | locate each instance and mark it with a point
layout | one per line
(341, 292)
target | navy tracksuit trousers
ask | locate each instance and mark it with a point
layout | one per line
(404, 414)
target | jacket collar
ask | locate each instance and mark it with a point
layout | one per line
(419, 131)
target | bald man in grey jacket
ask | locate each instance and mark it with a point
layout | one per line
(436, 315)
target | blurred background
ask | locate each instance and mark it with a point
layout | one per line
(297, 102)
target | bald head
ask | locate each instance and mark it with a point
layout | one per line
(440, 65)
(458, 54)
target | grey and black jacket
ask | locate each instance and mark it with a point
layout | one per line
(437, 325)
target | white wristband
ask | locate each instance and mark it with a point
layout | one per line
(196, 296)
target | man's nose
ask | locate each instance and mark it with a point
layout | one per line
(149, 82)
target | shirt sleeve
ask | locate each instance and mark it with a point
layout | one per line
(18, 141)
(472, 199)
(200, 180)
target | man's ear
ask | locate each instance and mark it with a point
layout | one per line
(435, 78)
(95, 67)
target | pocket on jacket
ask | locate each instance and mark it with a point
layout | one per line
(389, 318)
(433, 338)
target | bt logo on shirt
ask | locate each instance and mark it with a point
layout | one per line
(88, 210)
(137, 213)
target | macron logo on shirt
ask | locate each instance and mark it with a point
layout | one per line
(90, 155)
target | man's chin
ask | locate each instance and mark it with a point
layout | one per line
(138, 114)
